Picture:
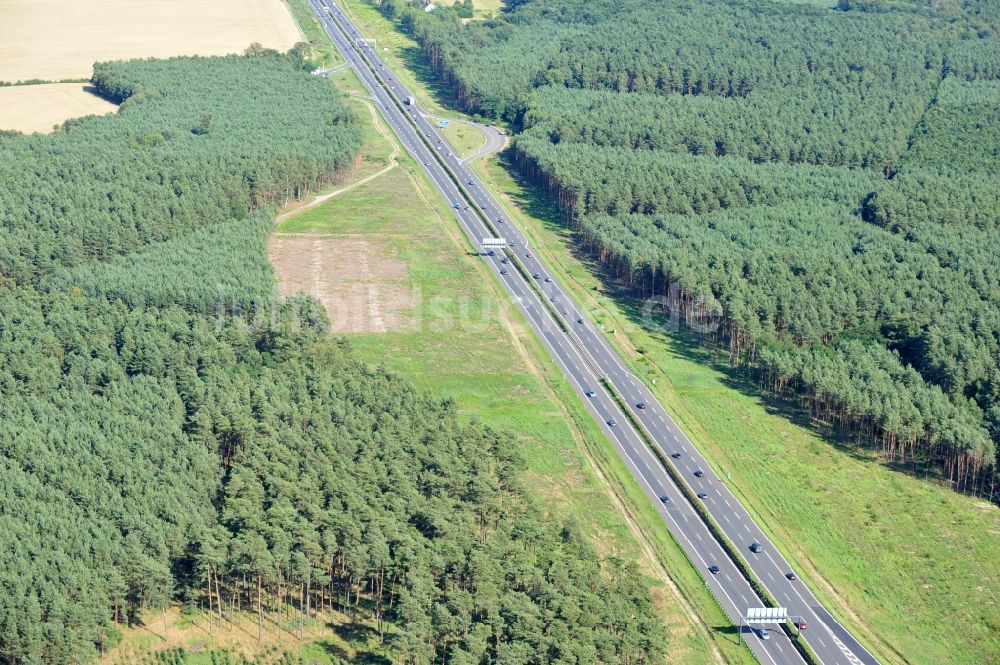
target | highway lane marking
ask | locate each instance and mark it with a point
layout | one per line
(727, 502)
(366, 77)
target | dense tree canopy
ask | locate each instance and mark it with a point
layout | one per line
(173, 431)
(825, 176)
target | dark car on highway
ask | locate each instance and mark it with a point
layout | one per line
(699, 473)
(756, 547)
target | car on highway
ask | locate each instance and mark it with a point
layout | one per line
(468, 208)
(756, 547)
(504, 260)
(676, 455)
(612, 422)
(500, 220)
(554, 299)
(530, 255)
(427, 163)
(491, 253)
(791, 576)
(641, 405)
(590, 393)
(536, 275)
(763, 634)
(699, 473)
(504, 271)
(457, 206)
(664, 499)
(714, 570)
(548, 279)
(472, 183)
(702, 495)
(579, 320)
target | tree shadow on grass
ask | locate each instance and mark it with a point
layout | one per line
(360, 655)
(354, 632)
(442, 93)
(682, 342)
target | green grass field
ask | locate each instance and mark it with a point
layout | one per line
(472, 346)
(464, 139)
(908, 556)
(347, 81)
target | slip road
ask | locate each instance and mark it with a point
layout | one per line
(585, 357)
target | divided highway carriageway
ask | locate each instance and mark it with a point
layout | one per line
(646, 438)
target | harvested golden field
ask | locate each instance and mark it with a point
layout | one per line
(362, 290)
(59, 39)
(36, 108)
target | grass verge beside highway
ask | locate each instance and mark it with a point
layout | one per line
(893, 555)
(465, 139)
(324, 53)
(402, 54)
(466, 341)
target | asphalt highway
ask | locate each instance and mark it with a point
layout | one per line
(585, 356)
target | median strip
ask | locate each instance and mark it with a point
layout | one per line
(727, 545)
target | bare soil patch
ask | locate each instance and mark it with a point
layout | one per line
(362, 290)
(38, 108)
(60, 39)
